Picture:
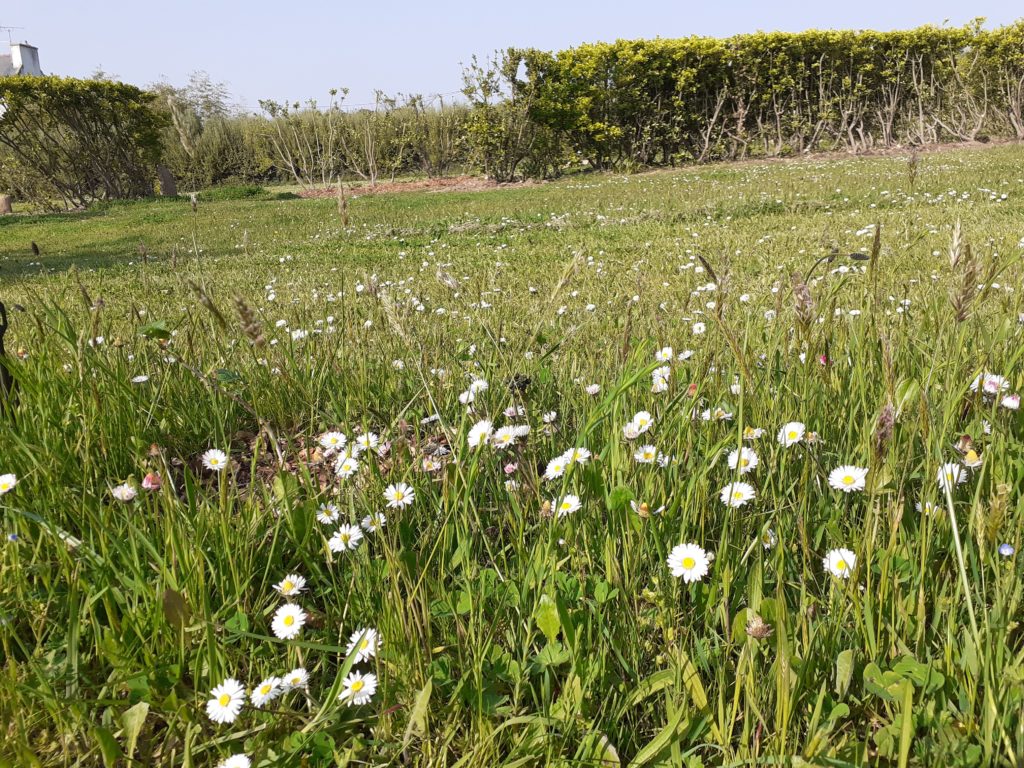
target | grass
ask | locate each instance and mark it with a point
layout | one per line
(512, 637)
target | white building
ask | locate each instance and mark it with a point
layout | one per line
(22, 60)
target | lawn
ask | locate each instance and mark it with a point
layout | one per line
(714, 466)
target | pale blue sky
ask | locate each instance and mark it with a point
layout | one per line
(297, 50)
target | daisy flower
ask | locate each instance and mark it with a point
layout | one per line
(990, 384)
(358, 688)
(663, 355)
(369, 441)
(297, 678)
(555, 468)
(346, 538)
(225, 701)
(577, 455)
(791, 433)
(237, 760)
(951, 475)
(346, 465)
(752, 433)
(368, 642)
(399, 495)
(550, 417)
(373, 522)
(699, 328)
(768, 538)
(125, 492)
(328, 513)
(688, 562)
(848, 478)
(504, 438)
(745, 459)
(292, 584)
(566, 506)
(839, 562)
(593, 389)
(643, 421)
(630, 431)
(480, 433)
(736, 494)
(266, 692)
(215, 460)
(1011, 402)
(288, 621)
(646, 454)
(332, 441)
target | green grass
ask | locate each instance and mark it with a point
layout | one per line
(511, 638)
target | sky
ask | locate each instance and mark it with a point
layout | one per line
(300, 50)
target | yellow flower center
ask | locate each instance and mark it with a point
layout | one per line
(289, 620)
(744, 462)
(224, 700)
(841, 565)
(364, 645)
(848, 480)
(287, 586)
(357, 686)
(737, 494)
(792, 434)
(689, 563)
(264, 689)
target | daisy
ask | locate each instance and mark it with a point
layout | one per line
(366, 442)
(990, 384)
(555, 468)
(140, 379)
(215, 460)
(839, 562)
(663, 355)
(951, 475)
(288, 621)
(577, 455)
(550, 417)
(225, 701)
(752, 433)
(1011, 402)
(125, 492)
(368, 642)
(688, 562)
(237, 760)
(358, 688)
(646, 454)
(768, 538)
(346, 465)
(566, 506)
(266, 691)
(791, 433)
(593, 389)
(503, 438)
(631, 431)
(373, 522)
(480, 433)
(400, 495)
(297, 678)
(332, 441)
(699, 328)
(745, 459)
(328, 513)
(292, 584)
(152, 481)
(736, 494)
(643, 421)
(848, 478)
(346, 538)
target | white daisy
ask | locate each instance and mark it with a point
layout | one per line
(332, 441)
(688, 562)
(736, 494)
(215, 460)
(663, 355)
(368, 642)
(480, 433)
(292, 584)
(7, 483)
(399, 495)
(566, 506)
(848, 478)
(840, 562)
(288, 621)
(646, 454)
(369, 441)
(125, 492)
(345, 539)
(555, 468)
(328, 513)
(266, 692)
(951, 475)
(745, 459)
(358, 688)
(504, 438)
(791, 433)
(577, 455)
(297, 678)
(373, 522)
(225, 701)
(346, 465)
(643, 421)
(237, 760)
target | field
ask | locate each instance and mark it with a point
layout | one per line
(806, 370)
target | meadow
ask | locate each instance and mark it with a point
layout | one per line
(712, 466)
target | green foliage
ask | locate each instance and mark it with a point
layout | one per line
(70, 142)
